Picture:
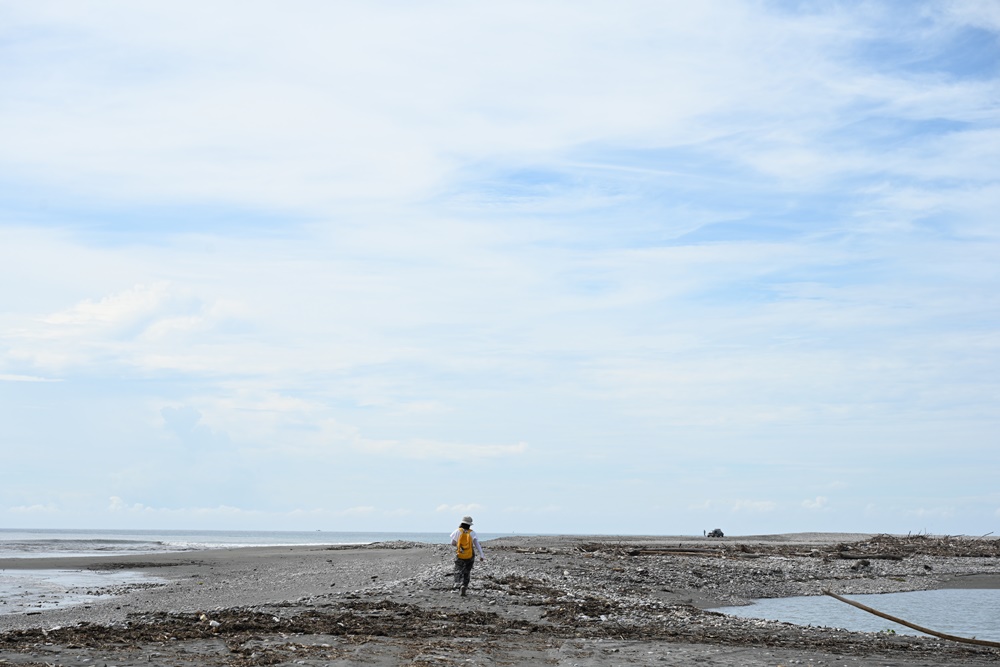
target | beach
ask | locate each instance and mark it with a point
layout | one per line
(569, 600)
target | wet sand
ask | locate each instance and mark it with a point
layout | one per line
(571, 600)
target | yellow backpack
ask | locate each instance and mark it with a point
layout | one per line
(464, 547)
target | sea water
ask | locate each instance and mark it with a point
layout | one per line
(34, 591)
(961, 612)
(48, 543)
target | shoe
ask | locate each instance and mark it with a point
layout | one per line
(463, 591)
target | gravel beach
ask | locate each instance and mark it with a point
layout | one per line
(569, 600)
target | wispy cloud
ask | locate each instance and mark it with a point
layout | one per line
(657, 238)
(6, 377)
(49, 508)
(815, 504)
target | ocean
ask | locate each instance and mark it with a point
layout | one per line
(45, 543)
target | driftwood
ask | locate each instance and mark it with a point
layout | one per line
(846, 555)
(676, 551)
(657, 552)
(704, 553)
(926, 631)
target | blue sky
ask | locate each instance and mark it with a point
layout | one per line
(631, 267)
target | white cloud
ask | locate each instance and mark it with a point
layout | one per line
(119, 506)
(145, 327)
(116, 504)
(263, 420)
(6, 377)
(428, 236)
(124, 309)
(334, 116)
(818, 503)
(48, 508)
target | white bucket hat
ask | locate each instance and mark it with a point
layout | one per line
(467, 519)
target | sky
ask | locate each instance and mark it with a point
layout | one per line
(631, 267)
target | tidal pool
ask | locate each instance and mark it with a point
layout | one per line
(962, 612)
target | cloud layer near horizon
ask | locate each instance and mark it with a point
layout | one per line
(642, 268)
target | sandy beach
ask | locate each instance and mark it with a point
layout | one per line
(571, 600)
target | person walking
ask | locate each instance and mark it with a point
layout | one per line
(466, 547)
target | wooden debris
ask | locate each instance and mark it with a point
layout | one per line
(848, 555)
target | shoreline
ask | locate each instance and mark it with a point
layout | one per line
(563, 593)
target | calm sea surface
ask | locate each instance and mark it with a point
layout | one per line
(43, 543)
(965, 613)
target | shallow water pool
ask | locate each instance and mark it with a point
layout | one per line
(28, 591)
(962, 612)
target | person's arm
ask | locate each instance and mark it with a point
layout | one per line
(477, 547)
(454, 539)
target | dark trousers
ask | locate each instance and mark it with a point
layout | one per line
(463, 570)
